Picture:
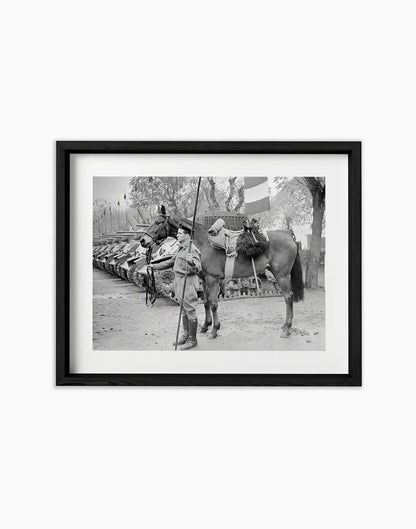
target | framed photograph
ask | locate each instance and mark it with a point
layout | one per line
(208, 263)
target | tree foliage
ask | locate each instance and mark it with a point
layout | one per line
(178, 195)
(109, 218)
(315, 188)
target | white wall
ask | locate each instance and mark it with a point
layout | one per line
(207, 458)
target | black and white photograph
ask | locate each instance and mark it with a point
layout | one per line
(208, 263)
(231, 262)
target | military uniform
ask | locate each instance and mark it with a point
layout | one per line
(184, 269)
(180, 268)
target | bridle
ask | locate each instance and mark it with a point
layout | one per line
(166, 225)
(151, 293)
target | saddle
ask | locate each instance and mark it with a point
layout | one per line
(221, 238)
(250, 241)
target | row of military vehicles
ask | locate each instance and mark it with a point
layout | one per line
(122, 255)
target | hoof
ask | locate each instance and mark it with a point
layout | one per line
(285, 333)
(204, 328)
(212, 335)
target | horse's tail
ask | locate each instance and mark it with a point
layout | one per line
(296, 280)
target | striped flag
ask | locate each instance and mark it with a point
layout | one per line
(256, 194)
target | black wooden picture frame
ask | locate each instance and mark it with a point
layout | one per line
(64, 149)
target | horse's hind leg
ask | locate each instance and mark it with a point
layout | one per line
(213, 289)
(284, 284)
(208, 319)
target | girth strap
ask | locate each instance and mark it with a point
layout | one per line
(229, 267)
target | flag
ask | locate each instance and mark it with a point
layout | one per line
(256, 194)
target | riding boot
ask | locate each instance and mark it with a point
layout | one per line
(191, 341)
(185, 333)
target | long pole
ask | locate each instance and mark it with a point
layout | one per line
(186, 270)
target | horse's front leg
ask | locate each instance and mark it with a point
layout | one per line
(213, 289)
(208, 319)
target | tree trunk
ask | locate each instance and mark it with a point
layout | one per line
(213, 198)
(205, 189)
(312, 267)
(231, 192)
(171, 196)
(240, 202)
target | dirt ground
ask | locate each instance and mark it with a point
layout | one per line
(121, 321)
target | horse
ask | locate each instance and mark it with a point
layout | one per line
(281, 257)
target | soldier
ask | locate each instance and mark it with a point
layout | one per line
(186, 264)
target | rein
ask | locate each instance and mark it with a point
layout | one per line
(150, 284)
(151, 293)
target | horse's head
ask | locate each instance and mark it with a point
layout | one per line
(158, 230)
